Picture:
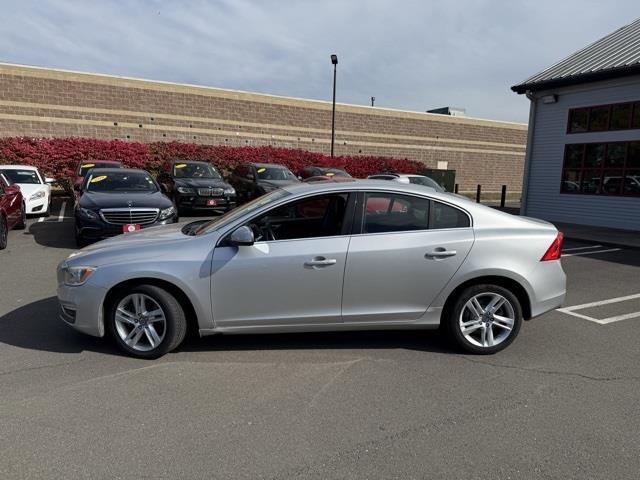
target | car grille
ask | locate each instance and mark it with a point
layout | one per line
(210, 192)
(124, 216)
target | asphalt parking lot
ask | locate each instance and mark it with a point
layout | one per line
(561, 402)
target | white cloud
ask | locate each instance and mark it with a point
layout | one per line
(408, 54)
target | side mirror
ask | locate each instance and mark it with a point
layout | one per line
(49, 180)
(242, 236)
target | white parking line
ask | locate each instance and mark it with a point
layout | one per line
(602, 321)
(62, 208)
(592, 253)
(41, 219)
(580, 248)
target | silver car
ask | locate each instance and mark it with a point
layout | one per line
(320, 257)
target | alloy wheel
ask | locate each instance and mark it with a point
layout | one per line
(487, 319)
(140, 322)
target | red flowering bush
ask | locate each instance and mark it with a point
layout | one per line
(59, 157)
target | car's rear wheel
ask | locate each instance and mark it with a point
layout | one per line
(22, 223)
(146, 321)
(484, 319)
(3, 233)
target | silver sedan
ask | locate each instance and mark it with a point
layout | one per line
(320, 257)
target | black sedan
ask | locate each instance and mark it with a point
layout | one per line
(313, 171)
(254, 179)
(197, 186)
(116, 201)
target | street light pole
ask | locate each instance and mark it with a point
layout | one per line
(334, 61)
(373, 99)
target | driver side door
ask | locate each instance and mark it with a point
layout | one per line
(293, 273)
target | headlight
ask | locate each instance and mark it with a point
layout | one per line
(74, 276)
(186, 190)
(229, 191)
(37, 195)
(85, 212)
(166, 213)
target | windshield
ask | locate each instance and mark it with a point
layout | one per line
(195, 170)
(275, 173)
(336, 173)
(22, 176)
(240, 211)
(427, 182)
(85, 167)
(123, 181)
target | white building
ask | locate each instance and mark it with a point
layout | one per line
(583, 151)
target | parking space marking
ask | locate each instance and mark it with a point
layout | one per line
(62, 208)
(580, 248)
(602, 321)
(41, 219)
(591, 253)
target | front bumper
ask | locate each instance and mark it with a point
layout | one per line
(36, 206)
(97, 229)
(196, 202)
(81, 307)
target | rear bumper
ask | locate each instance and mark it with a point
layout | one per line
(549, 284)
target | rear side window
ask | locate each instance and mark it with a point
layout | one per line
(445, 216)
(388, 212)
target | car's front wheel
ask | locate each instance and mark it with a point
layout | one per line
(22, 223)
(484, 319)
(146, 321)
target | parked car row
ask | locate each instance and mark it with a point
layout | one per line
(111, 199)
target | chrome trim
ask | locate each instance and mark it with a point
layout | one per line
(128, 212)
(210, 191)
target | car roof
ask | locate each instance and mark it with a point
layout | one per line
(17, 167)
(88, 162)
(191, 161)
(260, 165)
(358, 184)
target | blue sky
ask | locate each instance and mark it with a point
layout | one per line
(410, 55)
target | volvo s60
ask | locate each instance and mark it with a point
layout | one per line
(320, 257)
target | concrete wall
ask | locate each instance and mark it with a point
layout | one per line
(548, 138)
(52, 103)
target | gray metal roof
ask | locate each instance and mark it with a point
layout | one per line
(617, 54)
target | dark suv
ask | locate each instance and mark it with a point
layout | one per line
(254, 179)
(196, 186)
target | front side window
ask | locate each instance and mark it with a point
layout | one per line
(22, 176)
(319, 216)
(389, 212)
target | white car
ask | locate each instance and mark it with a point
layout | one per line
(409, 178)
(35, 188)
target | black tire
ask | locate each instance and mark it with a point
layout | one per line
(175, 327)
(3, 233)
(22, 223)
(81, 241)
(454, 315)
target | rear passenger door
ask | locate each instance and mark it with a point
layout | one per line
(405, 251)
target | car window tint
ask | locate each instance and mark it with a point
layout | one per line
(388, 212)
(320, 216)
(446, 216)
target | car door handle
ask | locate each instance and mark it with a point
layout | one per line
(440, 253)
(320, 262)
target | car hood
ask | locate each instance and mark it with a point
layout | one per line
(277, 183)
(201, 182)
(29, 189)
(148, 243)
(97, 200)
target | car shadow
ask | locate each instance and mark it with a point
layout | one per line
(36, 326)
(52, 234)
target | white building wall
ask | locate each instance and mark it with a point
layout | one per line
(543, 173)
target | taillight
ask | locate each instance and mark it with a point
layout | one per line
(555, 250)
